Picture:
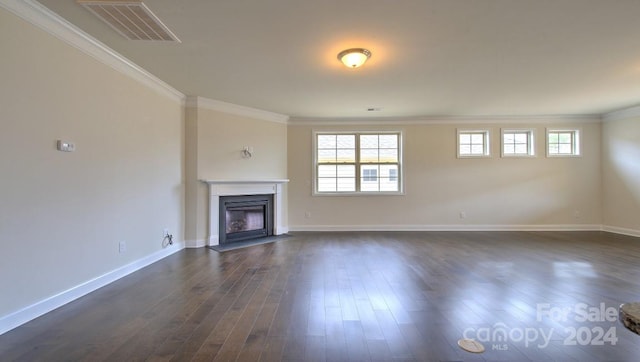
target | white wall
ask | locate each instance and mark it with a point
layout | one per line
(62, 215)
(215, 140)
(621, 175)
(495, 193)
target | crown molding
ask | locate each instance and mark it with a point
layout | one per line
(45, 19)
(230, 108)
(626, 113)
(446, 120)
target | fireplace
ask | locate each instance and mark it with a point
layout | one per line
(245, 217)
(219, 189)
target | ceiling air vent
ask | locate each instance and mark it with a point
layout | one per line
(132, 19)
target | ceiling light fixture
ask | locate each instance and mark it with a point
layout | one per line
(354, 57)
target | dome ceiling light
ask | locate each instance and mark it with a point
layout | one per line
(354, 57)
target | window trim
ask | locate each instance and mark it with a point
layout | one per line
(531, 140)
(576, 144)
(314, 165)
(486, 138)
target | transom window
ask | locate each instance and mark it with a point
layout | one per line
(563, 143)
(473, 143)
(517, 143)
(357, 162)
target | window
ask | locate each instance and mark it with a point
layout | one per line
(563, 143)
(357, 162)
(518, 143)
(473, 143)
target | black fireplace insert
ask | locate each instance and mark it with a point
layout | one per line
(245, 217)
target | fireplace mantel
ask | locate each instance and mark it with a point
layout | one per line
(219, 188)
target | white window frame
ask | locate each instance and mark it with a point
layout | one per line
(399, 176)
(531, 138)
(575, 142)
(486, 152)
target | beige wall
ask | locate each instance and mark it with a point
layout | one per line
(215, 140)
(62, 215)
(493, 192)
(621, 170)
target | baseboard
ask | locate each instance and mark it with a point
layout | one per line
(195, 243)
(619, 230)
(551, 227)
(34, 311)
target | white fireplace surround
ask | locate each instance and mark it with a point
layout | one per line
(219, 188)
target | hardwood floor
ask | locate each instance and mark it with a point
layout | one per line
(384, 296)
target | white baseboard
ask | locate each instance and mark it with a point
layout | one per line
(619, 230)
(34, 311)
(553, 227)
(195, 243)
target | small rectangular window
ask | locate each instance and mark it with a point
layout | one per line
(473, 143)
(563, 143)
(517, 143)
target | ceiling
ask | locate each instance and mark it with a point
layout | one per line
(430, 58)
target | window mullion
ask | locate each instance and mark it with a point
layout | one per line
(357, 159)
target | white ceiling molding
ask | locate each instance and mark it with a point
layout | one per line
(230, 108)
(52, 23)
(444, 120)
(632, 112)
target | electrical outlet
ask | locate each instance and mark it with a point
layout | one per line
(463, 215)
(122, 246)
(307, 214)
(165, 233)
(576, 214)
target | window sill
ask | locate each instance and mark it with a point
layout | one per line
(387, 193)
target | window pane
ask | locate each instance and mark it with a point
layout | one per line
(346, 141)
(327, 171)
(347, 171)
(346, 184)
(553, 138)
(521, 137)
(521, 149)
(369, 173)
(388, 155)
(508, 138)
(326, 184)
(509, 149)
(553, 149)
(327, 141)
(369, 141)
(388, 141)
(565, 149)
(465, 138)
(346, 156)
(477, 138)
(477, 149)
(369, 155)
(326, 156)
(389, 178)
(565, 137)
(465, 149)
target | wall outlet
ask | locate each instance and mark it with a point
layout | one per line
(463, 214)
(65, 146)
(165, 233)
(307, 214)
(576, 214)
(122, 246)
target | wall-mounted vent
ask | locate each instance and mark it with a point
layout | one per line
(132, 19)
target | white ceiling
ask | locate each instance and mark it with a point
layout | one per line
(430, 57)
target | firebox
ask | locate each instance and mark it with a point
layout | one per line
(245, 217)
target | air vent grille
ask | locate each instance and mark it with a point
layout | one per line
(132, 19)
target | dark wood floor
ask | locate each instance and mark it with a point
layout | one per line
(359, 297)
